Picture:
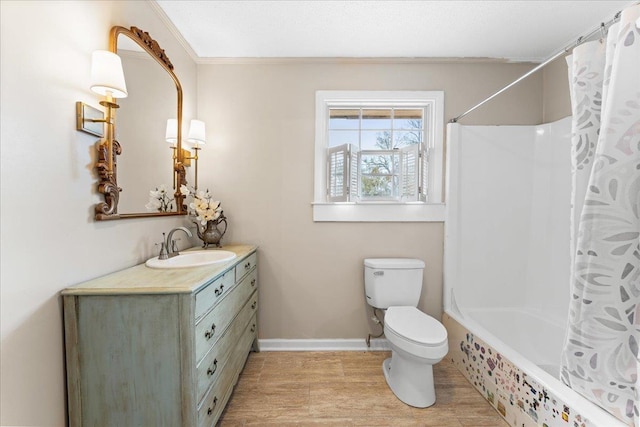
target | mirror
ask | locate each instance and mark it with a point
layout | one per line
(142, 159)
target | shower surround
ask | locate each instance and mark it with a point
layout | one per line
(507, 268)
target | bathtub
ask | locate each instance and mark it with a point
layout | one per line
(523, 389)
(524, 330)
(506, 270)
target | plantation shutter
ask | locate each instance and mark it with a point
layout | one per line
(410, 173)
(423, 190)
(354, 174)
(414, 173)
(338, 165)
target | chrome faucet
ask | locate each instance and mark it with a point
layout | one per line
(170, 248)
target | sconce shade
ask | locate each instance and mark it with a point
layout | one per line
(107, 76)
(197, 132)
(171, 134)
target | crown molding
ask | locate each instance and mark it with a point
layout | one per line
(173, 30)
(352, 60)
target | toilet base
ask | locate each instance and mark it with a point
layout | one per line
(410, 379)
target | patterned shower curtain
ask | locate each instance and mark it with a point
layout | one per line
(600, 358)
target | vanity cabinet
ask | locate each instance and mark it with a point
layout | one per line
(148, 347)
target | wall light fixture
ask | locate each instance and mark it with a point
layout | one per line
(171, 136)
(107, 79)
(197, 137)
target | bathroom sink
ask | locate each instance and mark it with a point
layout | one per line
(192, 259)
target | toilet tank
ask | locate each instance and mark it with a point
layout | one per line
(393, 281)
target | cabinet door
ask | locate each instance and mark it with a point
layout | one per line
(129, 364)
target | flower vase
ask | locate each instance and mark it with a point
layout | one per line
(210, 233)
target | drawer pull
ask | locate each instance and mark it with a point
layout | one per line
(253, 282)
(253, 327)
(253, 306)
(219, 290)
(247, 266)
(211, 408)
(210, 333)
(214, 367)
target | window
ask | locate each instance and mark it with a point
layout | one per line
(378, 156)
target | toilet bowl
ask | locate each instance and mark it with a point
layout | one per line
(418, 341)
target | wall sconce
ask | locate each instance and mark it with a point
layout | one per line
(171, 136)
(196, 137)
(107, 79)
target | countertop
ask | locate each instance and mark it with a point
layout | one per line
(141, 279)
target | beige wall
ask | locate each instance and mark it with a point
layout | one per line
(49, 238)
(259, 163)
(557, 102)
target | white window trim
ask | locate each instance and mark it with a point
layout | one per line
(432, 211)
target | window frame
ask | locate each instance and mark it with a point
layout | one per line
(381, 211)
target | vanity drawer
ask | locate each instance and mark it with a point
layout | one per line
(209, 296)
(214, 402)
(207, 371)
(246, 265)
(213, 325)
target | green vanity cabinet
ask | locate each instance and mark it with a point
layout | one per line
(149, 347)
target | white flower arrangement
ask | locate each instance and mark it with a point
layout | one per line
(160, 200)
(203, 207)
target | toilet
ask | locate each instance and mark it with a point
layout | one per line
(417, 340)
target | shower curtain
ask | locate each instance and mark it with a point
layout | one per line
(600, 357)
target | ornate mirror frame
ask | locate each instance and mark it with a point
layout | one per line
(108, 183)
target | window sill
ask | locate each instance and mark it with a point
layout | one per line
(378, 212)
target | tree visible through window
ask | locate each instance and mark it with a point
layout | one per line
(381, 152)
(374, 153)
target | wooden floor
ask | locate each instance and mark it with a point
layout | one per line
(346, 389)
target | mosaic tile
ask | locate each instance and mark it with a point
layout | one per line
(521, 400)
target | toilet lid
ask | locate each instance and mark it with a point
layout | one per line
(415, 326)
(393, 263)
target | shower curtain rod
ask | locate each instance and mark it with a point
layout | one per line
(601, 28)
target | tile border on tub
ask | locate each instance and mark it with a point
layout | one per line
(521, 400)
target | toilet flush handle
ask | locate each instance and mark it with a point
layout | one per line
(378, 273)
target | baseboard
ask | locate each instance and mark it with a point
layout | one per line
(353, 344)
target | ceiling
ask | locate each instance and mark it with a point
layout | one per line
(530, 30)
